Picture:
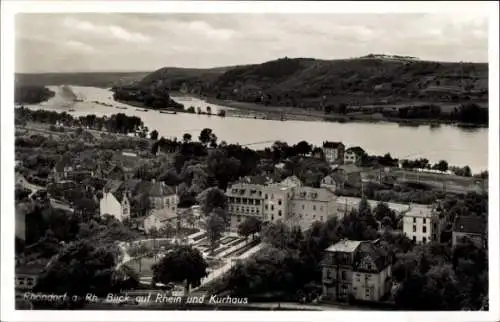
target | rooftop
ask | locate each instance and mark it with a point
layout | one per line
(332, 145)
(469, 224)
(314, 194)
(345, 246)
(356, 149)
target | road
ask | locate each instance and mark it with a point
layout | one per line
(53, 202)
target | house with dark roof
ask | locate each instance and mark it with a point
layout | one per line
(62, 169)
(334, 152)
(472, 228)
(353, 155)
(356, 270)
(117, 196)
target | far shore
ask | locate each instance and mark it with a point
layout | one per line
(293, 113)
(257, 111)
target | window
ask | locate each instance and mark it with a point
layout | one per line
(425, 220)
(266, 196)
(314, 207)
(344, 275)
(272, 196)
(279, 202)
(321, 208)
(238, 218)
(303, 207)
(329, 273)
(272, 207)
(272, 217)
(424, 229)
(435, 226)
(414, 239)
(314, 216)
(424, 240)
(257, 211)
(414, 220)
(300, 216)
(266, 207)
(414, 228)
(321, 218)
(279, 212)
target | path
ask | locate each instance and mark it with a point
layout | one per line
(227, 267)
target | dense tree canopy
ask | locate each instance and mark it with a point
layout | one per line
(182, 264)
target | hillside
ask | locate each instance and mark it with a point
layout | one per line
(306, 82)
(104, 79)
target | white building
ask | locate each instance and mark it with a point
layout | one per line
(312, 204)
(115, 203)
(244, 200)
(287, 201)
(334, 152)
(422, 224)
(117, 197)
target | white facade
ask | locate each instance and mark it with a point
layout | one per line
(244, 200)
(331, 155)
(422, 225)
(109, 205)
(287, 201)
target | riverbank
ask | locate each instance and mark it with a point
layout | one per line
(293, 113)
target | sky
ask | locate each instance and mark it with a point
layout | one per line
(57, 42)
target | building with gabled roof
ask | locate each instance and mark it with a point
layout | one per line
(117, 196)
(356, 270)
(353, 155)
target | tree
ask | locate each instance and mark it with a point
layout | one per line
(303, 148)
(79, 268)
(186, 137)
(154, 135)
(441, 166)
(206, 136)
(183, 264)
(250, 226)
(277, 234)
(215, 226)
(210, 199)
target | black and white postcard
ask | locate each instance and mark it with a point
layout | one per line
(200, 159)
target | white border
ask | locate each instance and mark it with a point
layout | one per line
(9, 8)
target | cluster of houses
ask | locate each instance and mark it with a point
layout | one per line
(359, 270)
(336, 153)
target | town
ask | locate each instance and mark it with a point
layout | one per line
(106, 206)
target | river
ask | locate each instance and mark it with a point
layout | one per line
(456, 145)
